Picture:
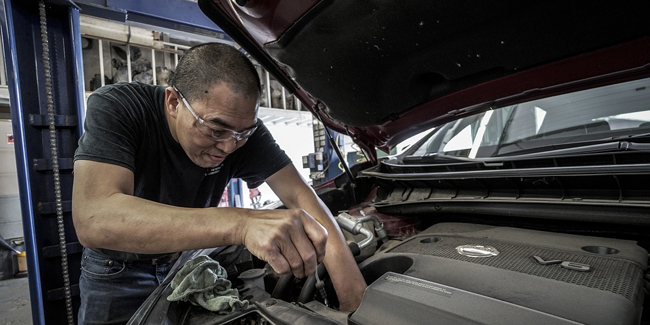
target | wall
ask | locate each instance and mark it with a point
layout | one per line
(10, 215)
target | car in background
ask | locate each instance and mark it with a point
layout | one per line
(526, 203)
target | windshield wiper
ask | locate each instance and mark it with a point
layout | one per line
(583, 147)
(610, 144)
(437, 157)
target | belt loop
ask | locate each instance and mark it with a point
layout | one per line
(165, 259)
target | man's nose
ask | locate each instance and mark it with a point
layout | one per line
(227, 146)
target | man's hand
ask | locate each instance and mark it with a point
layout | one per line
(289, 240)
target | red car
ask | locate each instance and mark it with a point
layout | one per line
(528, 200)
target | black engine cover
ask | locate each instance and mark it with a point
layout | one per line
(468, 274)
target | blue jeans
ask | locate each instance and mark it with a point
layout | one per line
(112, 290)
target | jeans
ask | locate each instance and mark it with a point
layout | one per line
(112, 290)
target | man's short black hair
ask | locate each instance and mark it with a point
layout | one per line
(205, 65)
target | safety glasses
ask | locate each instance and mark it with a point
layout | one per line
(214, 132)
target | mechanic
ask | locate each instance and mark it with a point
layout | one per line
(151, 168)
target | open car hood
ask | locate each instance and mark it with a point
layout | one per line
(381, 71)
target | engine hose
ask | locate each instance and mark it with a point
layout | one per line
(307, 293)
(309, 288)
(213, 255)
(282, 287)
(233, 256)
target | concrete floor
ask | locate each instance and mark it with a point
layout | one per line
(15, 308)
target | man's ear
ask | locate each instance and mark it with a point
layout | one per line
(171, 102)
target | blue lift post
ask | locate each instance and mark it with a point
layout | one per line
(21, 34)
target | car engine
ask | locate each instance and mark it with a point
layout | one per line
(444, 273)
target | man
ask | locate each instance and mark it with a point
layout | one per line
(151, 167)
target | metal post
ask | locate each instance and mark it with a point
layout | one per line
(15, 89)
(235, 190)
(153, 66)
(31, 126)
(3, 79)
(166, 56)
(268, 89)
(128, 62)
(175, 56)
(101, 61)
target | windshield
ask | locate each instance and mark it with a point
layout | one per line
(605, 112)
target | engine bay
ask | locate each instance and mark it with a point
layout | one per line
(445, 273)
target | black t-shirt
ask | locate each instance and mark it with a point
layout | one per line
(125, 125)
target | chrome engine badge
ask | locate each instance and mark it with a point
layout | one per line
(477, 251)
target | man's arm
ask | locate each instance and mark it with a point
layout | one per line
(341, 266)
(107, 215)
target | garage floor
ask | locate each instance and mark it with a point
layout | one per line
(15, 308)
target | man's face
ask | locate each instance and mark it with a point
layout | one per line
(220, 112)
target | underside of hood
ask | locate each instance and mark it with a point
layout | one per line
(381, 71)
